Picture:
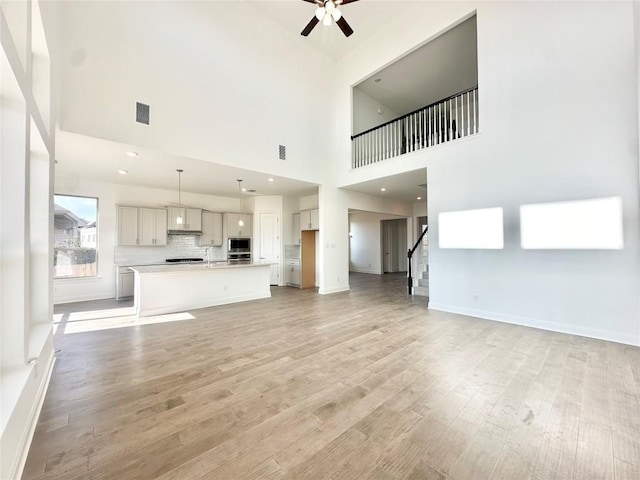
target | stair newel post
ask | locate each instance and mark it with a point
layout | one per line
(410, 277)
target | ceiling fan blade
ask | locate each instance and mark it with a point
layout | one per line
(311, 1)
(312, 23)
(344, 2)
(344, 26)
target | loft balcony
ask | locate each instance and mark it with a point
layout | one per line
(443, 121)
(425, 98)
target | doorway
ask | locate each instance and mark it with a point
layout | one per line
(394, 245)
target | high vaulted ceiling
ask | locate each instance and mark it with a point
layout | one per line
(98, 159)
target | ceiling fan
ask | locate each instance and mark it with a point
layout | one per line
(326, 12)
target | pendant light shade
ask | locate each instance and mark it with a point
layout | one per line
(241, 221)
(179, 219)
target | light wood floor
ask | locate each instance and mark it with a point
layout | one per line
(361, 385)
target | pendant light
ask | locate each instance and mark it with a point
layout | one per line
(241, 221)
(179, 219)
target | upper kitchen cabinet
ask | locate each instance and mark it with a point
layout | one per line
(232, 223)
(310, 219)
(153, 226)
(211, 229)
(295, 226)
(191, 219)
(142, 226)
(127, 226)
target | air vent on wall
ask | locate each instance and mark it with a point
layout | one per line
(142, 113)
(282, 152)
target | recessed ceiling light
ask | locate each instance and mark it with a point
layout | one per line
(377, 80)
(419, 198)
(132, 154)
(251, 190)
(383, 189)
(122, 172)
(271, 179)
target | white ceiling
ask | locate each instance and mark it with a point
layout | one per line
(406, 187)
(412, 82)
(366, 17)
(98, 159)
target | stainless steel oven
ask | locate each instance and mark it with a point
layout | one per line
(239, 245)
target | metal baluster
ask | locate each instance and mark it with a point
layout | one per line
(470, 131)
(475, 110)
(462, 123)
(457, 119)
(354, 152)
(366, 149)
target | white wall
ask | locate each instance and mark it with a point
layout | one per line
(558, 121)
(366, 112)
(219, 86)
(109, 196)
(365, 230)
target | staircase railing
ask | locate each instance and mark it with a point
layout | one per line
(445, 120)
(410, 253)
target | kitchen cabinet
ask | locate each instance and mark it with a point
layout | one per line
(310, 219)
(295, 226)
(292, 272)
(211, 229)
(191, 218)
(152, 227)
(233, 229)
(142, 226)
(127, 225)
(125, 282)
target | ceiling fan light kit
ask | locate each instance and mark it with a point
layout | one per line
(326, 12)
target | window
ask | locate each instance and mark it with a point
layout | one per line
(475, 229)
(75, 236)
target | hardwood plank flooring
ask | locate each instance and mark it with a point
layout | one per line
(367, 384)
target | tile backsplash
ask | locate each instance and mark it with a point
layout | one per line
(177, 246)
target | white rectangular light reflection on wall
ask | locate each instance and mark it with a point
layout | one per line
(481, 229)
(583, 224)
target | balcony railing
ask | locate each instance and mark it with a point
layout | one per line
(443, 121)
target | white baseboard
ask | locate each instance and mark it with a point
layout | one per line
(362, 270)
(570, 329)
(82, 298)
(329, 291)
(34, 415)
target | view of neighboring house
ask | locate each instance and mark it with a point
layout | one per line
(75, 245)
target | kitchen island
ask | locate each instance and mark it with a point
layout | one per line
(175, 288)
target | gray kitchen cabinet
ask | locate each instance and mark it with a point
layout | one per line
(310, 219)
(152, 226)
(211, 229)
(127, 225)
(125, 283)
(295, 227)
(292, 272)
(233, 229)
(191, 218)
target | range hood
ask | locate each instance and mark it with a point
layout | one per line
(184, 232)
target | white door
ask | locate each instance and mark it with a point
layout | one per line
(270, 244)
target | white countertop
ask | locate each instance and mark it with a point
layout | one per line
(182, 267)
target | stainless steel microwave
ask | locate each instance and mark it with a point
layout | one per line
(239, 245)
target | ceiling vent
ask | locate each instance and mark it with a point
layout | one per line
(282, 152)
(142, 113)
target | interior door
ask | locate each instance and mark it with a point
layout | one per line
(270, 244)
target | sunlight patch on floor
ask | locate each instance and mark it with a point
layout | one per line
(82, 322)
